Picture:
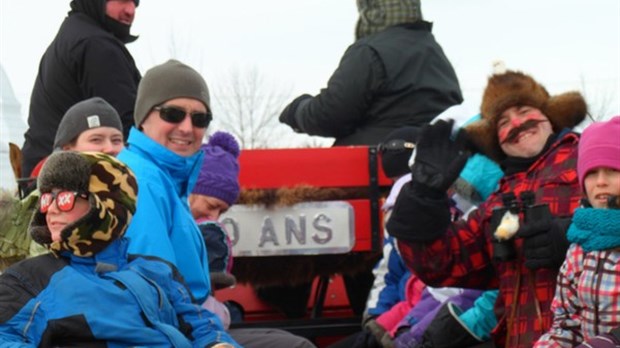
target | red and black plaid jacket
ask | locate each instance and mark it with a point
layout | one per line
(462, 256)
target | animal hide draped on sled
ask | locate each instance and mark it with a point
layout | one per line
(298, 269)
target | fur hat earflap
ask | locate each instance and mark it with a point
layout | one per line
(507, 88)
(483, 136)
(565, 110)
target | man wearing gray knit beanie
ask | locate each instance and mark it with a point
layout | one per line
(172, 113)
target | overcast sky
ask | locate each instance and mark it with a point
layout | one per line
(296, 44)
(565, 44)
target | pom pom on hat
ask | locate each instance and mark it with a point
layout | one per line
(499, 67)
(219, 174)
(226, 142)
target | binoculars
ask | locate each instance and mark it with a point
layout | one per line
(504, 249)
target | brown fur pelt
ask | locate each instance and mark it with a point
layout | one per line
(287, 196)
(297, 269)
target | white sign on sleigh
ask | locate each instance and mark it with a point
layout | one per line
(308, 228)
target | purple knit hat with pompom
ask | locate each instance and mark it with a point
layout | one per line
(219, 174)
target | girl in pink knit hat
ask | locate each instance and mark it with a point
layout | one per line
(586, 306)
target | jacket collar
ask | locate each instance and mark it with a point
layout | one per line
(110, 259)
(182, 170)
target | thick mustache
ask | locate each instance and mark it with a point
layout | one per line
(514, 133)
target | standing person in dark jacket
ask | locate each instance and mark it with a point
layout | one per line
(524, 129)
(395, 74)
(87, 58)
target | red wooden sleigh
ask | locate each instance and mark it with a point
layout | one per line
(348, 170)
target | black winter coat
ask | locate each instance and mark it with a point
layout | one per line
(83, 61)
(397, 77)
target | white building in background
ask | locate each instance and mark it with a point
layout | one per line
(12, 129)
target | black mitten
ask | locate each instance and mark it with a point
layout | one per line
(544, 238)
(439, 159)
(288, 114)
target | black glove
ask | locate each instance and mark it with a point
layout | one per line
(439, 159)
(288, 114)
(544, 238)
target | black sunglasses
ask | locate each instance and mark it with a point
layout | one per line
(396, 145)
(174, 114)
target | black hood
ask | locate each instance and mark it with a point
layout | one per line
(95, 9)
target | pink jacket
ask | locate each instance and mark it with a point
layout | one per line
(413, 291)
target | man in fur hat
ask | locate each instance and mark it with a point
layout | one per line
(526, 131)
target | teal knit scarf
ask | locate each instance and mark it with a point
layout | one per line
(595, 229)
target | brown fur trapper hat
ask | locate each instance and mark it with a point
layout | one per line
(506, 89)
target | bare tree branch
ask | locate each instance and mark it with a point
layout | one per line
(603, 102)
(248, 108)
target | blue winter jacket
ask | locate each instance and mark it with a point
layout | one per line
(101, 301)
(163, 225)
(391, 277)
